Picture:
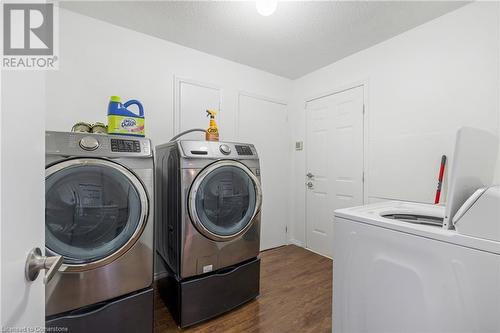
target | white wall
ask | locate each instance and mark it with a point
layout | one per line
(421, 86)
(98, 59)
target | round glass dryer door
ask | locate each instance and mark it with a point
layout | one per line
(224, 199)
(95, 210)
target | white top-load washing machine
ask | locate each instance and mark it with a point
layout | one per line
(99, 218)
(208, 226)
(404, 266)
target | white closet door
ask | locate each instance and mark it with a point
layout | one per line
(264, 124)
(193, 99)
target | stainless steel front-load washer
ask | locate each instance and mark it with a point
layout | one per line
(208, 226)
(99, 192)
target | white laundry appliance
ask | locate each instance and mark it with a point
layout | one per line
(410, 267)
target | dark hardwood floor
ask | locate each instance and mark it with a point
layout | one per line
(295, 296)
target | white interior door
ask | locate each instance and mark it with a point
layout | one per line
(22, 146)
(258, 121)
(334, 163)
(193, 99)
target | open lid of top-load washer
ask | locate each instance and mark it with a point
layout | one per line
(479, 216)
(473, 167)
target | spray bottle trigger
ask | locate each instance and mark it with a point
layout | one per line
(211, 114)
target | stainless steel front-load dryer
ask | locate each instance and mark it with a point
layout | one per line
(208, 226)
(99, 192)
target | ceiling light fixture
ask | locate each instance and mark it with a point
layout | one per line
(266, 7)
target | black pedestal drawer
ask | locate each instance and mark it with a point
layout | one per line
(197, 299)
(128, 314)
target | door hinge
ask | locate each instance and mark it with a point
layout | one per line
(363, 109)
(363, 177)
(286, 229)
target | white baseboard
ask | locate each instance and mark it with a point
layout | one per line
(295, 242)
(318, 253)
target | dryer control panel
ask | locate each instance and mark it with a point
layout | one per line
(218, 150)
(96, 145)
(243, 150)
(128, 146)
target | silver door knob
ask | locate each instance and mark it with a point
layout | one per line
(309, 175)
(36, 262)
(310, 184)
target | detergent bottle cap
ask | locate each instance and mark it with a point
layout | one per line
(115, 99)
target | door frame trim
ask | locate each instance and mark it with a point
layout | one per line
(365, 83)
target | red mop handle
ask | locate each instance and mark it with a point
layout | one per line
(440, 179)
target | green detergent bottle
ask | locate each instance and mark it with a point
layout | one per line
(123, 121)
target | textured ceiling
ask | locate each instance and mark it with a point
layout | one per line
(300, 37)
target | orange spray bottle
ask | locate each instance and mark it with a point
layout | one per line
(212, 133)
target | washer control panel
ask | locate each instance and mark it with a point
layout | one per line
(218, 150)
(243, 150)
(125, 146)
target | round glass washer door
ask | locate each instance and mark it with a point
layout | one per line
(224, 199)
(95, 210)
